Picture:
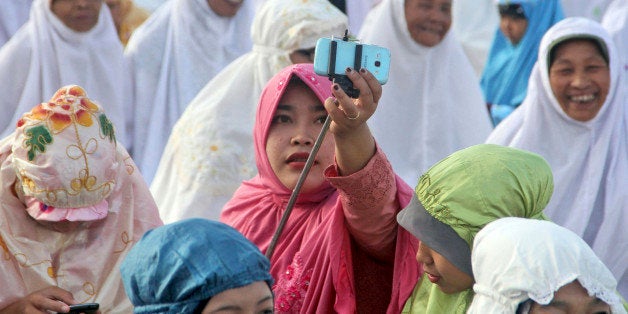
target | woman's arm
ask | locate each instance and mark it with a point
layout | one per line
(362, 175)
(354, 142)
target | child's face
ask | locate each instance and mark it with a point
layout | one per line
(295, 126)
(441, 272)
(513, 28)
(572, 298)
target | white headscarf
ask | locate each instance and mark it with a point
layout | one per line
(515, 259)
(45, 55)
(432, 104)
(589, 159)
(12, 16)
(474, 23)
(592, 9)
(357, 11)
(180, 48)
(216, 130)
(74, 164)
(615, 21)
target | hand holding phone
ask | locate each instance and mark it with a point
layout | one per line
(86, 308)
(332, 56)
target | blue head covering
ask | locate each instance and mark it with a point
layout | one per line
(505, 78)
(178, 267)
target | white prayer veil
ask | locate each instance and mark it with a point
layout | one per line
(432, 104)
(516, 259)
(216, 130)
(45, 55)
(180, 48)
(589, 159)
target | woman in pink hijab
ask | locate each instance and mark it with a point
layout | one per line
(341, 249)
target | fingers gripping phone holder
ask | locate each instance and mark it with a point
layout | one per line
(343, 80)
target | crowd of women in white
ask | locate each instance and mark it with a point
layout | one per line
(182, 94)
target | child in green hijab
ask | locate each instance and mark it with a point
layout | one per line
(453, 200)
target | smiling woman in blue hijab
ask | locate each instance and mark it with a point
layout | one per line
(513, 52)
(197, 266)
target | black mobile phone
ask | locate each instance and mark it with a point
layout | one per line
(86, 308)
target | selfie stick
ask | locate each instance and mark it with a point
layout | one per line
(297, 188)
(317, 145)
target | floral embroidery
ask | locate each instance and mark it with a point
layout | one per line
(429, 199)
(44, 208)
(292, 287)
(66, 106)
(37, 139)
(370, 191)
(106, 127)
(5, 249)
(72, 124)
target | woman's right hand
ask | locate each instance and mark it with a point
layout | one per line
(52, 299)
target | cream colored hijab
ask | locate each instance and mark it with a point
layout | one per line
(180, 48)
(589, 159)
(66, 157)
(432, 104)
(216, 130)
(515, 259)
(45, 55)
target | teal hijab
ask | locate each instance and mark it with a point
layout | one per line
(178, 267)
(505, 78)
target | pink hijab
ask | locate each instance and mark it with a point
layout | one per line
(312, 262)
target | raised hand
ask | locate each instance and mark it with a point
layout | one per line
(354, 142)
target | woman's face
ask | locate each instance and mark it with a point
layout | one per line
(302, 56)
(573, 299)
(428, 20)
(513, 28)
(441, 272)
(295, 126)
(226, 8)
(255, 298)
(580, 79)
(79, 15)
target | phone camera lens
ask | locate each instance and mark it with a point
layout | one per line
(377, 63)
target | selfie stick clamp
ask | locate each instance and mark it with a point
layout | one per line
(339, 79)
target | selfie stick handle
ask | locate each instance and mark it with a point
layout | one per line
(297, 187)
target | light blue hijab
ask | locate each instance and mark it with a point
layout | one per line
(505, 78)
(178, 267)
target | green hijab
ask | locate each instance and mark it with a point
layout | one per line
(458, 196)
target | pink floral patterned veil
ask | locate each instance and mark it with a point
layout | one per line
(64, 154)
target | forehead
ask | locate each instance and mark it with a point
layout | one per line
(298, 92)
(577, 47)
